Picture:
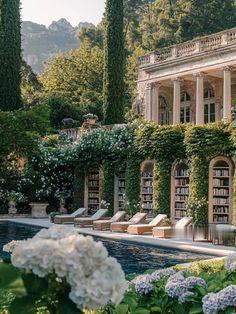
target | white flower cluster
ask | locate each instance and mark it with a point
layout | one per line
(230, 263)
(216, 302)
(144, 283)
(94, 278)
(10, 247)
(179, 287)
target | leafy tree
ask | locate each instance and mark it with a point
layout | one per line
(30, 85)
(76, 78)
(113, 80)
(60, 109)
(199, 17)
(10, 55)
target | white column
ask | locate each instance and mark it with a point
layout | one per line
(148, 102)
(155, 102)
(227, 99)
(176, 101)
(199, 99)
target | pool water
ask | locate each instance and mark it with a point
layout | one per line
(132, 257)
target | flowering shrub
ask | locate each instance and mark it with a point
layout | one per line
(182, 291)
(62, 262)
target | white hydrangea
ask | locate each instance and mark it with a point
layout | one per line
(94, 277)
(56, 232)
(230, 263)
(9, 247)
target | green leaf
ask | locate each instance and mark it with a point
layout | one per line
(141, 311)
(25, 305)
(195, 309)
(34, 285)
(122, 309)
(8, 274)
(66, 306)
(156, 309)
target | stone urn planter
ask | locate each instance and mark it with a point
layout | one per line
(38, 210)
(62, 209)
(12, 210)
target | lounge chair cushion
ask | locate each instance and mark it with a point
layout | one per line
(101, 212)
(137, 218)
(157, 220)
(183, 222)
(78, 212)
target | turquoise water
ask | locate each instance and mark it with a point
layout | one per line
(132, 257)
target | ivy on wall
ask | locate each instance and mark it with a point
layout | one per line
(202, 144)
(108, 185)
(123, 149)
(161, 187)
(79, 177)
(132, 184)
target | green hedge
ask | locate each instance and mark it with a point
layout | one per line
(161, 187)
(108, 185)
(132, 182)
(79, 187)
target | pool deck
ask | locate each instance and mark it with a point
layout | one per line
(190, 246)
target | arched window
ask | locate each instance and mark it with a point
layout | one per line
(185, 109)
(209, 105)
(164, 111)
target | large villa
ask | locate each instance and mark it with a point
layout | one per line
(193, 82)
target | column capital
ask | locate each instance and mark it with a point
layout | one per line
(156, 84)
(199, 74)
(148, 86)
(177, 79)
(227, 68)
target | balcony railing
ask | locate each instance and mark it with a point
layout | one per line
(190, 48)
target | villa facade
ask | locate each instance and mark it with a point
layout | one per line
(191, 82)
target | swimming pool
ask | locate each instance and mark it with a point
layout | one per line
(132, 257)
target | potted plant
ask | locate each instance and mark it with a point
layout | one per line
(52, 215)
(13, 198)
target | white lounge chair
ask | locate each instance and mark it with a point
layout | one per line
(88, 222)
(61, 219)
(106, 224)
(167, 232)
(123, 225)
(142, 228)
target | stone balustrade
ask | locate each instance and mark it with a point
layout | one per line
(190, 48)
(73, 134)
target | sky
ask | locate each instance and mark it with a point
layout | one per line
(75, 11)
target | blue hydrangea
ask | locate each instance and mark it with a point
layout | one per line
(179, 287)
(143, 284)
(183, 297)
(215, 302)
(162, 273)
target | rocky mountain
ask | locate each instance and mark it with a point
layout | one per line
(40, 43)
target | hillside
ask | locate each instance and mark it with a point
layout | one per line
(40, 43)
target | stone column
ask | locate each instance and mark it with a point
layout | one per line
(227, 98)
(148, 102)
(155, 102)
(199, 99)
(176, 101)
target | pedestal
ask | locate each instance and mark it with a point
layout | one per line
(38, 210)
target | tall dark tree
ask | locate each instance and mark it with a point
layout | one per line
(113, 82)
(10, 55)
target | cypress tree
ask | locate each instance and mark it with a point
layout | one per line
(113, 81)
(10, 55)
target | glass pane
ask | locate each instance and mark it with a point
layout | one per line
(206, 109)
(182, 97)
(182, 115)
(212, 108)
(187, 114)
(188, 97)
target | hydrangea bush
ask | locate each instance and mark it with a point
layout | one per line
(60, 265)
(183, 291)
